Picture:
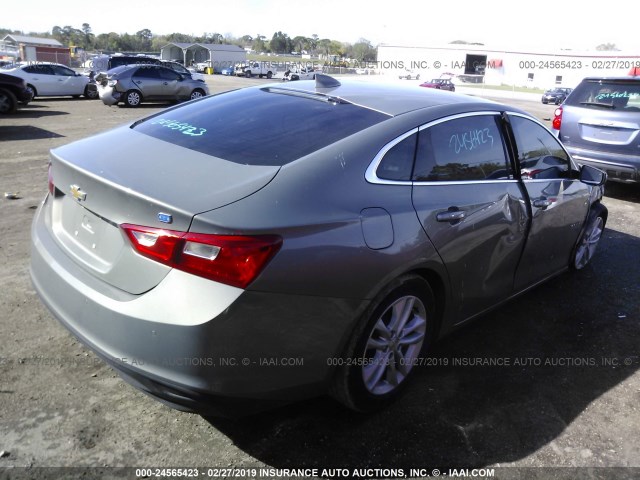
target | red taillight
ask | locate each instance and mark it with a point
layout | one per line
(52, 187)
(232, 259)
(557, 119)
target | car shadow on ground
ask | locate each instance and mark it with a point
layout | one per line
(30, 111)
(25, 132)
(554, 351)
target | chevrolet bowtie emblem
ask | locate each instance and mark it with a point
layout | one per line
(77, 193)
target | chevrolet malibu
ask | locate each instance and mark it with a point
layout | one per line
(219, 255)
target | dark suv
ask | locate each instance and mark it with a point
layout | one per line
(13, 91)
(599, 123)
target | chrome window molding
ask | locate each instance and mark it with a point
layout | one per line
(371, 175)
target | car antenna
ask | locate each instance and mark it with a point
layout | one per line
(326, 81)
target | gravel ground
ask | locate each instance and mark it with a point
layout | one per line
(566, 393)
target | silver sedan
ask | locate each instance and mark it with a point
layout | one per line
(135, 84)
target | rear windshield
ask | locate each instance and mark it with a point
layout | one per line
(256, 126)
(621, 95)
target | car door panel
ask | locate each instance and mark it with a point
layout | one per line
(148, 81)
(558, 201)
(42, 77)
(66, 81)
(471, 208)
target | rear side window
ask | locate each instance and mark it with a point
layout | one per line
(147, 72)
(259, 126)
(619, 95)
(468, 148)
(39, 69)
(397, 163)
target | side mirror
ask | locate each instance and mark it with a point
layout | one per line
(592, 176)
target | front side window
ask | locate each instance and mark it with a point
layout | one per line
(468, 148)
(63, 71)
(169, 75)
(539, 153)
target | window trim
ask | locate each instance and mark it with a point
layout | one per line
(573, 164)
(371, 172)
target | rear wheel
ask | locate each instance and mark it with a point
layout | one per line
(8, 102)
(588, 243)
(132, 98)
(197, 93)
(269, 74)
(386, 345)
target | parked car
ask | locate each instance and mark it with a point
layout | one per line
(229, 71)
(136, 84)
(46, 79)
(214, 260)
(599, 123)
(409, 75)
(13, 91)
(440, 84)
(556, 95)
(299, 74)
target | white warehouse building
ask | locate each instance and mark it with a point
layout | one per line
(477, 63)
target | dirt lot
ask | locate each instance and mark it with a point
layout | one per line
(567, 393)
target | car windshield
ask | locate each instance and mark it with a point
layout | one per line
(259, 126)
(623, 94)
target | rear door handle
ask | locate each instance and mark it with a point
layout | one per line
(450, 215)
(541, 203)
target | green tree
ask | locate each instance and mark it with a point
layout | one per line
(144, 38)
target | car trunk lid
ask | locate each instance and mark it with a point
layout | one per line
(124, 176)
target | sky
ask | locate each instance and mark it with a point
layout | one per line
(544, 24)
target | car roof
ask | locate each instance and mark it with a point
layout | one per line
(389, 98)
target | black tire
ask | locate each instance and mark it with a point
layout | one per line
(589, 239)
(544, 102)
(247, 73)
(374, 347)
(33, 90)
(90, 94)
(133, 98)
(417, 77)
(197, 93)
(269, 74)
(8, 102)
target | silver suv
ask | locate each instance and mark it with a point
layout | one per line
(599, 124)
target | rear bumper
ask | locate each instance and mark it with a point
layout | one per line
(109, 95)
(261, 350)
(620, 168)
